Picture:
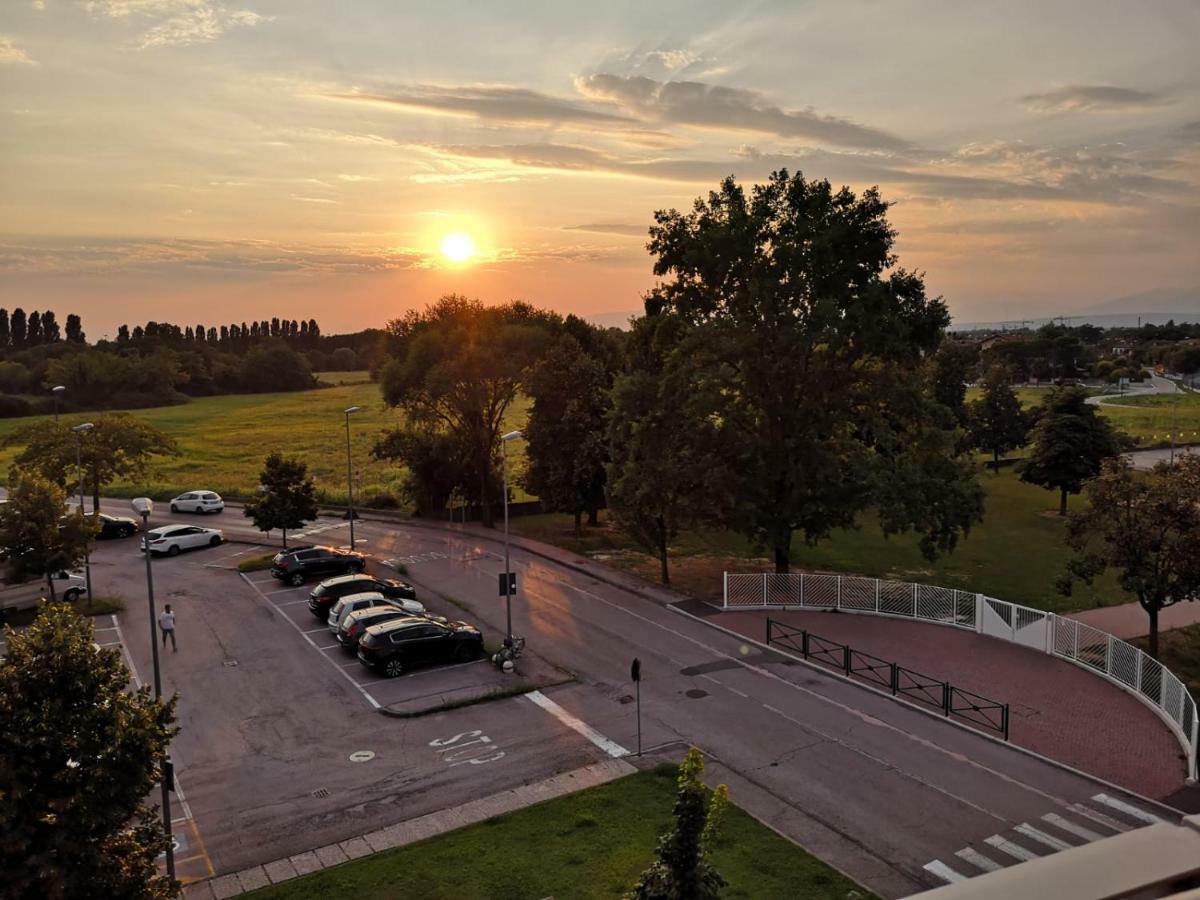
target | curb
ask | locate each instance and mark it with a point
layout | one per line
(1160, 805)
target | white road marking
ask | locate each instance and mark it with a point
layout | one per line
(1041, 837)
(977, 859)
(943, 871)
(287, 590)
(612, 748)
(282, 605)
(1132, 811)
(1107, 821)
(1006, 846)
(315, 630)
(329, 646)
(1071, 828)
(374, 703)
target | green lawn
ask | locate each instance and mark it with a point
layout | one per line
(592, 844)
(1179, 651)
(356, 377)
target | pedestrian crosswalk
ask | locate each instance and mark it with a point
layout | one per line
(1072, 826)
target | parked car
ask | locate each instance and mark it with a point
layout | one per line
(198, 502)
(325, 594)
(116, 526)
(295, 566)
(353, 603)
(355, 624)
(68, 586)
(396, 646)
(170, 539)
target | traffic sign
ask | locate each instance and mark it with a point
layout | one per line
(511, 584)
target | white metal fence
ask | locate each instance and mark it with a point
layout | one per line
(1097, 651)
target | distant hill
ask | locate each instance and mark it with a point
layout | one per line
(613, 319)
(1157, 302)
(1156, 307)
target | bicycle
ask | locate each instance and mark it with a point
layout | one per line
(508, 653)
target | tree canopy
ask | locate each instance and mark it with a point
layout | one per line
(37, 537)
(79, 753)
(996, 421)
(287, 496)
(795, 303)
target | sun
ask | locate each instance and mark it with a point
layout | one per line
(458, 247)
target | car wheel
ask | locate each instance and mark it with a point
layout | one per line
(466, 653)
(296, 580)
(174, 508)
(127, 531)
(393, 668)
(216, 541)
(173, 550)
(72, 595)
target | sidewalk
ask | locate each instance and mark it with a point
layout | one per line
(1129, 620)
(409, 832)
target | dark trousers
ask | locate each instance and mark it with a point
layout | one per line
(169, 632)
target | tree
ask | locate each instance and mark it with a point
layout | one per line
(458, 369)
(75, 329)
(996, 421)
(1144, 526)
(36, 535)
(797, 305)
(50, 330)
(952, 367)
(33, 329)
(287, 497)
(275, 367)
(119, 446)
(4, 329)
(343, 359)
(681, 869)
(17, 326)
(566, 449)
(1070, 444)
(79, 753)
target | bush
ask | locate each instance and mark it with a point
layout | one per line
(276, 367)
(14, 407)
(380, 501)
(343, 359)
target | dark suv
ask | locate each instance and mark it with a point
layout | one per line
(328, 592)
(295, 566)
(402, 644)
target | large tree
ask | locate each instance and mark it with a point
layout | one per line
(1070, 443)
(119, 446)
(566, 448)
(287, 497)
(995, 421)
(1146, 527)
(953, 366)
(681, 869)
(37, 537)
(794, 295)
(79, 753)
(457, 369)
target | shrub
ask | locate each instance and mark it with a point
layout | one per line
(14, 407)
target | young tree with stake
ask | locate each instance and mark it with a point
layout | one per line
(287, 497)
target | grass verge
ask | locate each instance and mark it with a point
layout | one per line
(592, 844)
(1179, 651)
(87, 606)
(256, 563)
(500, 693)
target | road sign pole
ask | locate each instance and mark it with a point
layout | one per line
(635, 672)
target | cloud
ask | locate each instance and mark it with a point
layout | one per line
(180, 22)
(712, 106)
(493, 103)
(611, 228)
(1190, 131)
(12, 55)
(1094, 98)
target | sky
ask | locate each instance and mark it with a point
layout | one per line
(221, 160)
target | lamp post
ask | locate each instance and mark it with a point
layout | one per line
(350, 471)
(80, 430)
(58, 390)
(511, 436)
(143, 506)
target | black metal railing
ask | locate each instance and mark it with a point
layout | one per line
(951, 701)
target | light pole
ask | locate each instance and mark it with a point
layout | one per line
(58, 390)
(350, 471)
(511, 436)
(143, 506)
(80, 430)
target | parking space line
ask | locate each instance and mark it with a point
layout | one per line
(612, 748)
(282, 605)
(374, 703)
(286, 590)
(315, 630)
(330, 647)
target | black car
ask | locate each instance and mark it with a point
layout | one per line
(355, 625)
(328, 592)
(295, 566)
(393, 647)
(116, 526)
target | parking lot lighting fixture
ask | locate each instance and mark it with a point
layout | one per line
(58, 390)
(80, 430)
(350, 410)
(505, 438)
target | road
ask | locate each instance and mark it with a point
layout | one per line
(1154, 384)
(897, 799)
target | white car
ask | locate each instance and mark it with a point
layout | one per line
(353, 603)
(198, 502)
(170, 539)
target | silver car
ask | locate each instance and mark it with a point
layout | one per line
(352, 603)
(198, 502)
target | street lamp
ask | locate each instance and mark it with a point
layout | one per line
(80, 430)
(58, 390)
(511, 436)
(143, 506)
(350, 471)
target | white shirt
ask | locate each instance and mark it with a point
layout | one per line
(166, 621)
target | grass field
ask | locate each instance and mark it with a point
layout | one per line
(1016, 554)
(1179, 651)
(593, 844)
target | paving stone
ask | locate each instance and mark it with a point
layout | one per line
(253, 879)
(198, 890)
(225, 886)
(280, 870)
(306, 862)
(355, 847)
(331, 855)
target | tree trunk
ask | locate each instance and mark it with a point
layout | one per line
(50, 585)
(593, 517)
(662, 551)
(1062, 502)
(284, 530)
(783, 552)
(578, 523)
(95, 493)
(485, 500)
(996, 459)
(1153, 613)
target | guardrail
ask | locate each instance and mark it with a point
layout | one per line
(1090, 648)
(950, 701)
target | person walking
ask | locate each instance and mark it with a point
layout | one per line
(166, 621)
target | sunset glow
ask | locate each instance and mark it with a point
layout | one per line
(458, 247)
